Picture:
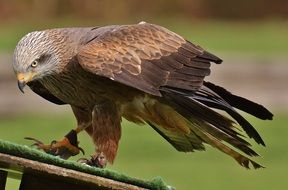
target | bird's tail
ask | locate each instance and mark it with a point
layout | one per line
(243, 104)
(199, 123)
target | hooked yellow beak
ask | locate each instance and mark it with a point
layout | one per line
(23, 79)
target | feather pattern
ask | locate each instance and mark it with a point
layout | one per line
(132, 52)
(39, 89)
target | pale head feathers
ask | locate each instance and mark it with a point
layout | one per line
(46, 47)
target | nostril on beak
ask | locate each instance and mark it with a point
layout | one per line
(21, 85)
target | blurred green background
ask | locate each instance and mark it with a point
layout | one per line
(250, 36)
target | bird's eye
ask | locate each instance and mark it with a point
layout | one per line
(34, 63)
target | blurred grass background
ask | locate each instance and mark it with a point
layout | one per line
(144, 154)
(258, 38)
(239, 29)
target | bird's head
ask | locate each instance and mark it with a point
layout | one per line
(38, 54)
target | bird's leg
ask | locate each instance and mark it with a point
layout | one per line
(68, 146)
(105, 131)
(98, 159)
(64, 148)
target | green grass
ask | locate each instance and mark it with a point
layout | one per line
(260, 38)
(144, 154)
(256, 38)
(27, 152)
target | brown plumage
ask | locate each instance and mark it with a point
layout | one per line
(144, 73)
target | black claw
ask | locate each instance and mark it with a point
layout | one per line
(53, 142)
(83, 161)
(33, 139)
(81, 150)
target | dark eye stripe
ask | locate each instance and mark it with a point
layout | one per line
(40, 60)
(43, 57)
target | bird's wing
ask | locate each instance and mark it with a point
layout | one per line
(39, 89)
(146, 57)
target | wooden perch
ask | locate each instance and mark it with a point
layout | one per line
(37, 175)
(38, 170)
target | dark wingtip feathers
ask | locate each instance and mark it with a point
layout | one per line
(268, 114)
(205, 54)
(243, 104)
(245, 162)
(211, 57)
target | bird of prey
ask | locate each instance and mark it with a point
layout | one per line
(144, 73)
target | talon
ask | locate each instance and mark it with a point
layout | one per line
(40, 145)
(53, 142)
(98, 160)
(64, 148)
(81, 150)
(84, 161)
(33, 139)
